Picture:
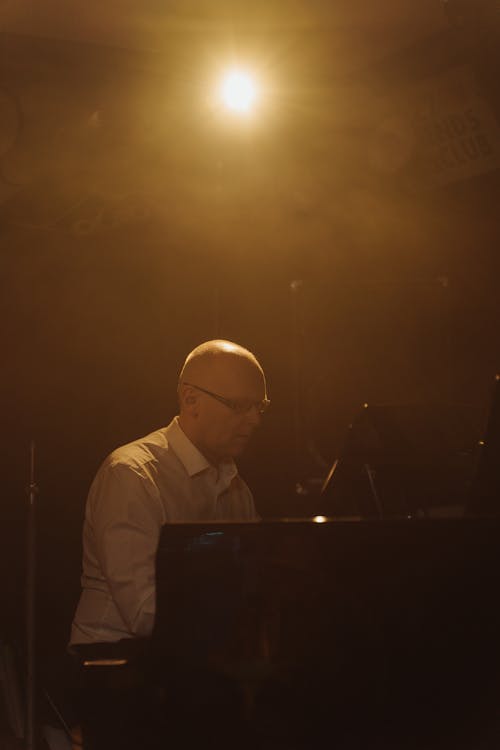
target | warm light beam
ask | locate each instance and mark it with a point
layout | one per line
(238, 91)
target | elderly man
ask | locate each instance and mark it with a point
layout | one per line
(183, 472)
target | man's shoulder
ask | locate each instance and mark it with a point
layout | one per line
(142, 452)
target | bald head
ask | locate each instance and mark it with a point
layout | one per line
(209, 359)
(217, 376)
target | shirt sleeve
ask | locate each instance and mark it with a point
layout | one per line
(126, 515)
(250, 511)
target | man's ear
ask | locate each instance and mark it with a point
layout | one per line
(188, 398)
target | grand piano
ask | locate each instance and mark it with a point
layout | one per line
(366, 633)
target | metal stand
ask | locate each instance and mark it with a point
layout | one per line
(306, 456)
(296, 370)
(30, 741)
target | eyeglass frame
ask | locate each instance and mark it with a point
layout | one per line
(261, 406)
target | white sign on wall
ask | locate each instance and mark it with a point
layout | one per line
(456, 134)
(442, 130)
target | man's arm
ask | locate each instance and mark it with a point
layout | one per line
(125, 514)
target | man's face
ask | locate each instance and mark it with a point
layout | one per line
(221, 432)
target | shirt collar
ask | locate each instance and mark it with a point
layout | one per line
(192, 459)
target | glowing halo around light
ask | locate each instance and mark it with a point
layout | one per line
(238, 91)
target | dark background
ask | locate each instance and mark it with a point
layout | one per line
(135, 224)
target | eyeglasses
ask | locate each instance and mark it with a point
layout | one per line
(239, 405)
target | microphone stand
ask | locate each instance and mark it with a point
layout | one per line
(30, 604)
(296, 293)
(306, 487)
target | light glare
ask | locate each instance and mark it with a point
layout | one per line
(238, 91)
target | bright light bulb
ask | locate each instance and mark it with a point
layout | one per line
(238, 91)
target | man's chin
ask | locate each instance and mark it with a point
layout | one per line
(239, 445)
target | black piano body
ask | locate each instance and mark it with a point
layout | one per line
(376, 634)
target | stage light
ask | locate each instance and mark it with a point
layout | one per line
(238, 91)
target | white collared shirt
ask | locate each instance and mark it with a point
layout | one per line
(162, 478)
